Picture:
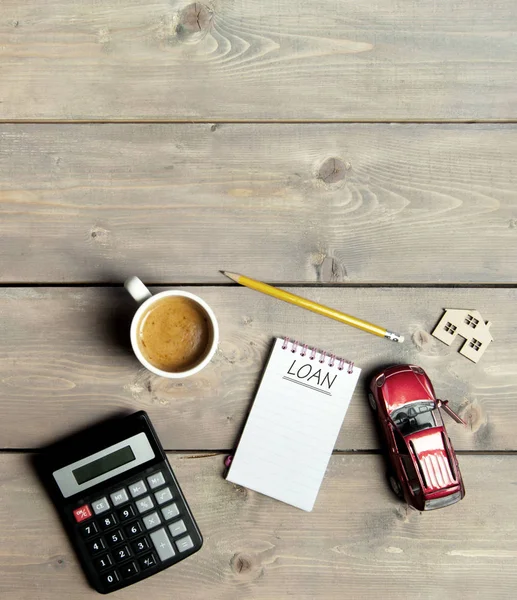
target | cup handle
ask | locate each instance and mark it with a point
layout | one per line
(137, 289)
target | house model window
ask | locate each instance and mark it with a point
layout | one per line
(461, 322)
(450, 328)
(471, 321)
(476, 344)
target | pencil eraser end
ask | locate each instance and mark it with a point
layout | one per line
(394, 337)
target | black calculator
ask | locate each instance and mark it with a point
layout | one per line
(120, 502)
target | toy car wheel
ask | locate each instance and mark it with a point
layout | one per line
(371, 400)
(395, 485)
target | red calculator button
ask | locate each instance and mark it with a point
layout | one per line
(82, 513)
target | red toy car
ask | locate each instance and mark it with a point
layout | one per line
(424, 468)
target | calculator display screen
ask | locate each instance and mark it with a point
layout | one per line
(103, 465)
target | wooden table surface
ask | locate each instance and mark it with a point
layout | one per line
(363, 153)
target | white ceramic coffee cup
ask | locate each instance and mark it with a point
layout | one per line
(145, 299)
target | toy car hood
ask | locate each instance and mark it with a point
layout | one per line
(432, 456)
(403, 387)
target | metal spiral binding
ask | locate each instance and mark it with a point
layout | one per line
(304, 349)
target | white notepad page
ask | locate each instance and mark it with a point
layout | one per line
(293, 425)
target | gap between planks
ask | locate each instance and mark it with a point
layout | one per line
(291, 284)
(255, 122)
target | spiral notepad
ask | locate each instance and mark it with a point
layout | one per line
(294, 423)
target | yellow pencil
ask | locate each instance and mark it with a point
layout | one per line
(314, 306)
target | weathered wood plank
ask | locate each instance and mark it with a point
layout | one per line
(236, 59)
(64, 362)
(359, 542)
(329, 203)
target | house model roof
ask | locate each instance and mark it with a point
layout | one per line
(461, 312)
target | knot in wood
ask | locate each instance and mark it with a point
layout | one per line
(472, 413)
(241, 491)
(242, 564)
(331, 271)
(194, 22)
(421, 339)
(100, 235)
(58, 562)
(333, 170)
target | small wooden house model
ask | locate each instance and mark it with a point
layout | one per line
(468, 324)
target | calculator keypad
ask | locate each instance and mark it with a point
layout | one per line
(128, 570)
(156, 480)
(103, 562)
(110, 579)
(122, 553)
(115, 537)
(128, 512)
(162, 544)
(134, 529)
(119, 497)
(146, 528)
(185, 543)
(171, 511)
(147, 561)
(108, 521)
(140, 545)
(89, 530)
(137, 489)
(144, 504)
(163, 496)
(100, 506)
(151, 521)
(82, 513)
(96, 546)
(177, 528)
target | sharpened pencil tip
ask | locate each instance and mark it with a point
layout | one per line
(232, 276)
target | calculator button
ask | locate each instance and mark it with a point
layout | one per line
(171, 511)
(155, 480)
(144, 504)
(103, 562)
(111, 578)
(115, 538)
(177, 528)
(163, 496)
(140, 545)
(133, 529)
(108, 521)
(82, 513)
(151, 520)
(100, 506)
(122, 553)
(129, 570)
(96, 546)
(185, 543)
(147, 561)
(126, 513)
(162, 544)
(89, 529)
(137, 489)
(119, 497)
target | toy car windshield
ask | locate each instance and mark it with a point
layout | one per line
(416, 416)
